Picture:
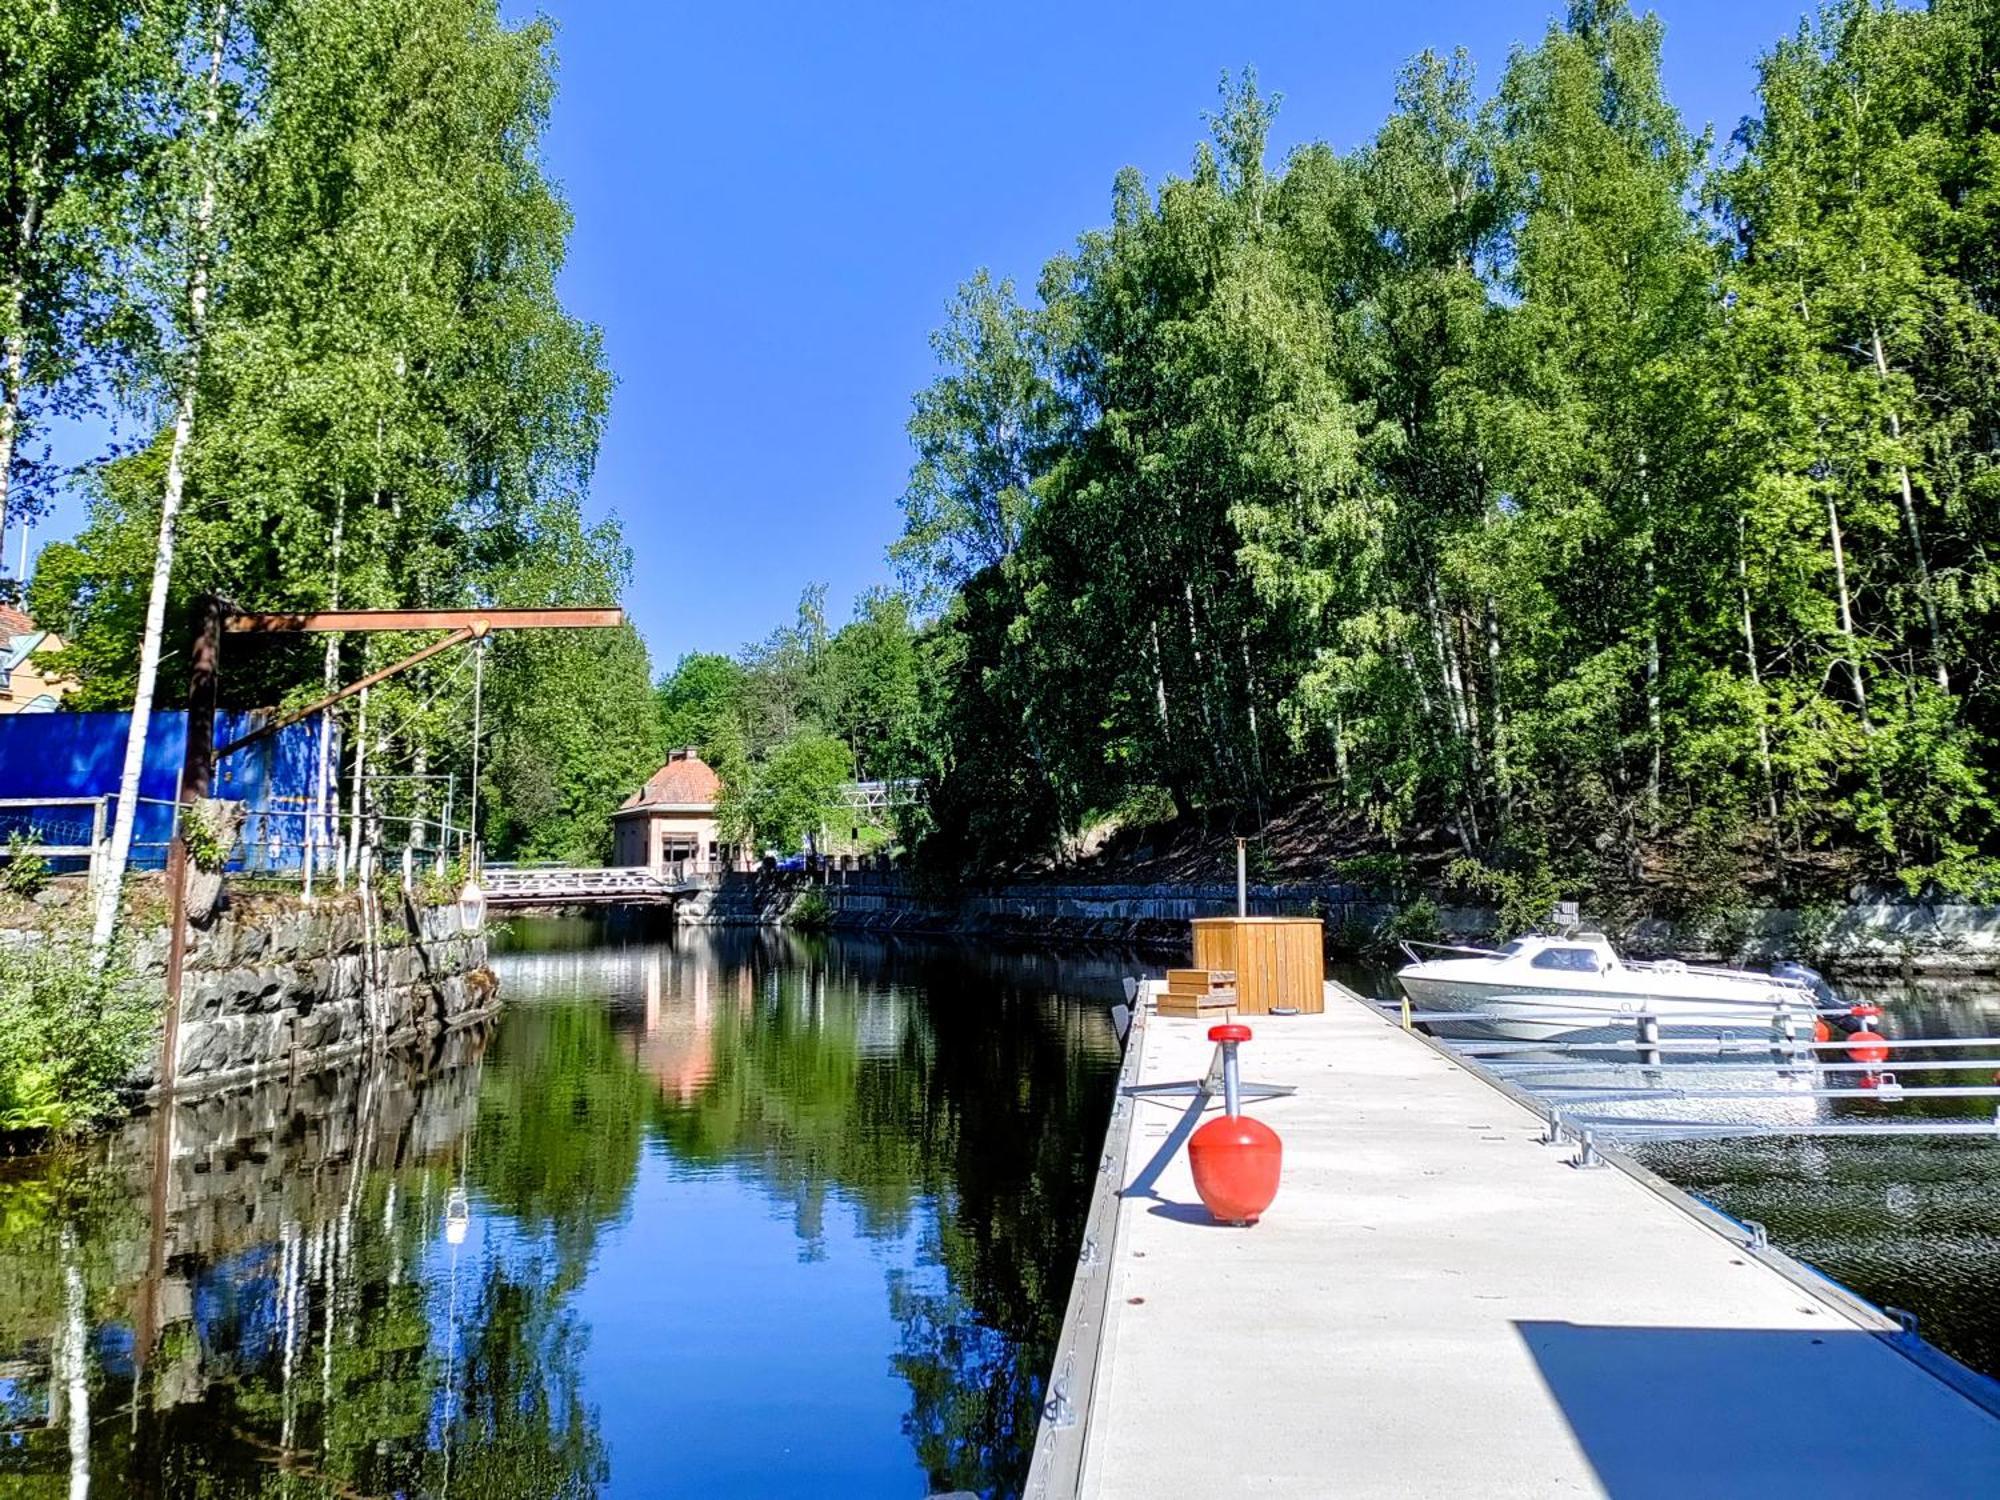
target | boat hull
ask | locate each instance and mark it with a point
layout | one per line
(1507, 1010)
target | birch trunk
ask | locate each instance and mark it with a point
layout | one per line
(1847, 615)
(1655, 734)
(112, 885)
(360, 772)
(14, 356)
(1910, 522)
(1757, 692)
(1498, 717)
(12, 368)
(317, 833)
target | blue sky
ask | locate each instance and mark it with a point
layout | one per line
(774, 203)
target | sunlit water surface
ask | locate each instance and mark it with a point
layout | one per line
(715, 1214)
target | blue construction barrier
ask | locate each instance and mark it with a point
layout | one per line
(64, 755)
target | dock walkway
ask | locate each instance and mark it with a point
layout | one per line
(1439, 1304)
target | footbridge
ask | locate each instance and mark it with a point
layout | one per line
(585, 885)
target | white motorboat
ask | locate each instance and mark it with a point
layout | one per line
(1576, 988)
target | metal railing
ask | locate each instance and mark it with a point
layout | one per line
(67, 832)
(1642, 1066)
(559, 885)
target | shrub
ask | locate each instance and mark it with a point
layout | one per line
(23, 874)
(811, 910)
(70, 1033)
(1524, 898)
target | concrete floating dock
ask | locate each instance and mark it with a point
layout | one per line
(1440, 1304)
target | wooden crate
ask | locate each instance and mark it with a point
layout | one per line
(1199, 981)
(1199, 992)
(1215, 1005)
(1277, 960)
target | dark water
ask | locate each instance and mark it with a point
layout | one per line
(1912, 1224)
(731, 1214)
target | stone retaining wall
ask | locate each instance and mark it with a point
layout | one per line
(280, 990)
(276, 986)
(1863, 936)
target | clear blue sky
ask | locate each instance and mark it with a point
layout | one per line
(774, 202)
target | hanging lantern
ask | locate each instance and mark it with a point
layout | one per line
(471, 906)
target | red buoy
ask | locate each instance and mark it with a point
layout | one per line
(1821, 1031)
(1235, 1160)
(1868, 1047)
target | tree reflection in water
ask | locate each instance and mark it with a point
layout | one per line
(320, 1333)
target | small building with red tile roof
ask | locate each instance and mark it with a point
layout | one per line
(669, 824)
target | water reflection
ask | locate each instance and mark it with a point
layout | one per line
(736, 1214)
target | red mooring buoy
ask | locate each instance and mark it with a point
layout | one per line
(1868, 1047)
(1821, 1031)
(1235, 1160)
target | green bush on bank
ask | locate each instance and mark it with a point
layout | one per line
(811, 911)
(70, 1034)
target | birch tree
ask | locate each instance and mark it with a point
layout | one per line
(66, 125)
(186, 188)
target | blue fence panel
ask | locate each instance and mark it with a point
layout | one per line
(83, 755)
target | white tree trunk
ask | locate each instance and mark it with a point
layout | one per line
(12, 368)
(14, 354)
(111, 886)
(360, 772)
(1910, 523)
(76, 1368)
(1847, 615)
(1757, 693)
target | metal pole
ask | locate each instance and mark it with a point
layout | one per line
(1242, 884)
(1232, 1081)
(472, 795)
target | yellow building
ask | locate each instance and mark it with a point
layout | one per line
(670, 821)
(26, 687)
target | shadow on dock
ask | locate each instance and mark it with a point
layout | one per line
(1763, 1412)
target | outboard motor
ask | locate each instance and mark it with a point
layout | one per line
(1822, 993)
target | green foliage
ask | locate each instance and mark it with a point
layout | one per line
(701, 694)
(1522, 480)
(1416, 922)
(1376, 872)
(205, 848)
(390, 405)
(795, 791)
(1524, 898)
(23, 875)
(70, 1033)
(812, 912)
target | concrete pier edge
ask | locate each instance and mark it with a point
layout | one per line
(1063, 1438)
(1981, 1390)
(1057, 1466)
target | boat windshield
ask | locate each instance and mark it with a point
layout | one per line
(1509, 950)
(1575, 960)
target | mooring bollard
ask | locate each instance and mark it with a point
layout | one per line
(1649, 1039)
(1235, 1160)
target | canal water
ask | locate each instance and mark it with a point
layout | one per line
(715, 1213)
(709, 1214)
